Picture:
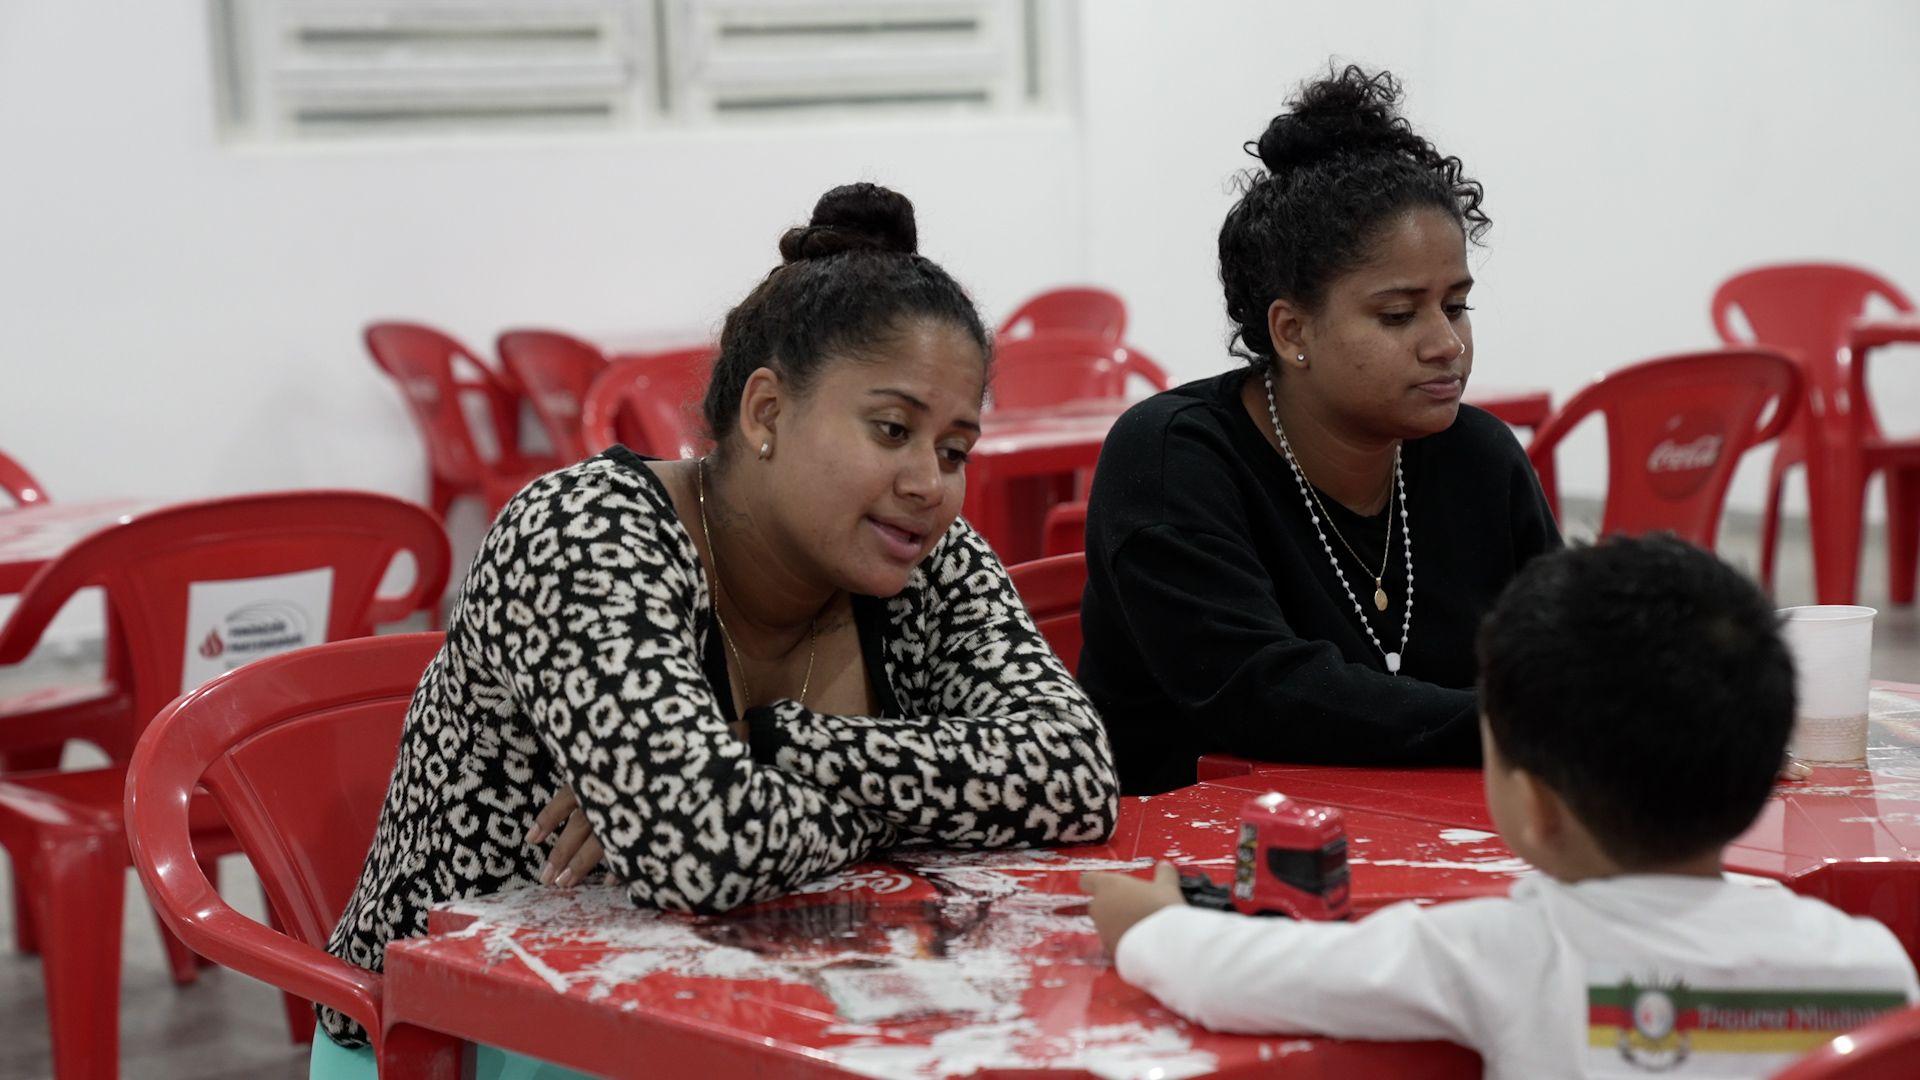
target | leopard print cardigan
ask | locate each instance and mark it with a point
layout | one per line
(574, 657)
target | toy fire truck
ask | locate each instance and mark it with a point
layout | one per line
(1291, 861)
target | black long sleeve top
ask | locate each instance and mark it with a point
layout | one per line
(1214, 622)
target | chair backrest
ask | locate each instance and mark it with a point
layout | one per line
(1803, 310)
(1056, 367)
(1141, 366)
(200, 588)
(1886, 1049)
(297, 750)
(19, 484)
(650, 402)
(1082, 310)
(1676, 428)
(1051, 590)
(435, 373)
(1065, 529)
(554, 371)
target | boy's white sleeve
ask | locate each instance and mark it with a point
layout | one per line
(1394, 975)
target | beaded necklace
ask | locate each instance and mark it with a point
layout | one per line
(1317, 510)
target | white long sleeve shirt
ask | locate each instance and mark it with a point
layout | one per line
(1614, 977)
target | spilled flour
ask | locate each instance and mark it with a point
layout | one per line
(954, 941)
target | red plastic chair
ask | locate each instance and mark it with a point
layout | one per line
(649, 402)
(422, 361)
(1810, 311)
(1141, 366)
(296, 750)
(19, 484)
(1054, 368)
(554, 372)
(1065, 529)
(1886, 1049)
(63, 830)
(1051, 590)
(1075, 310)
(1676, 428)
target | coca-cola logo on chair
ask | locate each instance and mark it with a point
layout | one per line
(1684, 456)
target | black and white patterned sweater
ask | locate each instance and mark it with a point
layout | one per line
(582, 652)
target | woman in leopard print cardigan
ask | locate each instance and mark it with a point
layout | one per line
(838, 665)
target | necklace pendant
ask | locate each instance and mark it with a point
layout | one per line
(1379, 597)
(1393, 663)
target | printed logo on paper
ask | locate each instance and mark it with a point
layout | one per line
(235, 622)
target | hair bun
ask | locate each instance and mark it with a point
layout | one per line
(854, 217)
(1346, 113)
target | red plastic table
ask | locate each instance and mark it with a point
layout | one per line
(32, 536)
(1017, 448)
(1848, 836)
(931, 964)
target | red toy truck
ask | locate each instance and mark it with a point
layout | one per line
(1291, 861)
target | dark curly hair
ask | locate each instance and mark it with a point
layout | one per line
(1645, 681)
(1339, 163)
(851, 276)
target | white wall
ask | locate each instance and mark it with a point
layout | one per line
(180, 316)
(1634, 153)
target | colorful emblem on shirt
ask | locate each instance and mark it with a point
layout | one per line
(1658, 1025)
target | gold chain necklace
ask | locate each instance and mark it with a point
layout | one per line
(813, 624)
(1379, 589)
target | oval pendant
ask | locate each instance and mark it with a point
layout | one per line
(1393, 663)
(1379, 599)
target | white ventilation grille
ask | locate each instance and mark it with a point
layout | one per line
(329, 67)
(301, 69)
(754, 57)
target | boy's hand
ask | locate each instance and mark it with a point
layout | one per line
(1121, 900)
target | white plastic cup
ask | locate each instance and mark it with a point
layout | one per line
(1832, 646)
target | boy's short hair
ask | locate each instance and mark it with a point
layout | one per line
(1646, 683)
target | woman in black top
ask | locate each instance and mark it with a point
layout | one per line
(1256, 541)
(754, 668)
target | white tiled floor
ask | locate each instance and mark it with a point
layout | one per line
(228, 1026)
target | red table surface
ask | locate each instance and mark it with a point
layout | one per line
(1848, 836)
(1021, 450)
(930, 964)
(32, 536)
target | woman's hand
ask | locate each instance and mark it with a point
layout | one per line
(576, 852)
(1121, 900)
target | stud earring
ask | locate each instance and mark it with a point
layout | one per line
(766, 450)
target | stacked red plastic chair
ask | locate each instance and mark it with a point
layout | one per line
(1814, 313)
(436, 375)
(554, 371)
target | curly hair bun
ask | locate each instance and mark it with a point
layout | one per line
(1352, 112)
(854, 217)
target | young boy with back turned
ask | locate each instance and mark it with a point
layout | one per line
(1636, 702)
